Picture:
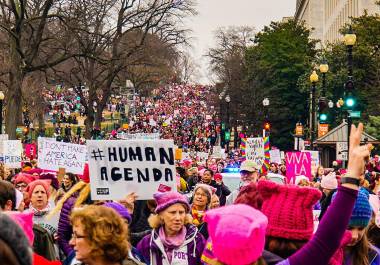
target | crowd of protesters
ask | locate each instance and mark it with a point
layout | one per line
(48, 219)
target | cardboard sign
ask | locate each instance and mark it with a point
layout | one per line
(31, 151)
(297, 163)
(275, 156)
(121, 167)
(56, 155)
(12, 151)
(254, 150)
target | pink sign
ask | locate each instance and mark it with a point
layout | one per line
(31, 151)
(298, 163)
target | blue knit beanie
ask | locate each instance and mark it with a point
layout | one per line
(362, 212)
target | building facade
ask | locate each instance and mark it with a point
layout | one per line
(326, 17)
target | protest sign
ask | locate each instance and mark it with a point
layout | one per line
(138, 136)
(120, 167)
(12, 150)
(3, 137)
(217, 151)
(275, 156)
(56, 155)
(31, 151)
(342, 151)
(298, 163)
(203, 156)
(254, 150)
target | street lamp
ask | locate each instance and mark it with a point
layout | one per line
(228, 100)
(324, 68)
(313, 80)
(299, 134)
(349, 41)
(1, 111)
(266, 123)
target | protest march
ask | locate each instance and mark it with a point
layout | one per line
(185, 132)
(175, 196)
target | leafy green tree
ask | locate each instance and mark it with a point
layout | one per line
(373, 126)
(282, 52)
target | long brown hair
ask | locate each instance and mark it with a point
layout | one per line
(6, 254)
(359, 252)
(283, 247)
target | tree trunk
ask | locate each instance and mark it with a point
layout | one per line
(89, 122)
(14, 93)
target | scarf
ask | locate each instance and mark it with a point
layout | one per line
(171, 243)
(37, 212)
(197, 216)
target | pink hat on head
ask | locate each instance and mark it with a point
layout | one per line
(166, 199)
(25, 221)
(214, 168)
(237, 233)
(289, 209)
(44, 183)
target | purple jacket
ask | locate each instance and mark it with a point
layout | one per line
(65, 229)
(193, 246)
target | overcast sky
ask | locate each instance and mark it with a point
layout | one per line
(223, 13)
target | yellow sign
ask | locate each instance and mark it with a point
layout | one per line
(323, 129)
(299, 130)
(125, 126)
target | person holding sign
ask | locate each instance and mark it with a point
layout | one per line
(235, 244)
(174, 240)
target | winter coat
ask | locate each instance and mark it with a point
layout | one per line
(139, 226)
(65, 229)
(189, 253)
(222, 191)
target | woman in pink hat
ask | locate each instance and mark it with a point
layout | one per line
(174, 240)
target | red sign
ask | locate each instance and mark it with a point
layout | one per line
(31, 151)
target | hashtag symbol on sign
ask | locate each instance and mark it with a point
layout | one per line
(97, 154)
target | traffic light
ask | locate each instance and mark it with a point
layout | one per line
(350, 100)
(323, 111)
(323, 118)
(227, 135)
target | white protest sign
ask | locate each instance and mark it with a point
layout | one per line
(121, 167)
(342, 151)
(12, 150)
(56, 155)
(3, 137)
(314, 157)
(275, 156)
(255, 150)
(203, 156)
(217, 151)
(138, 136)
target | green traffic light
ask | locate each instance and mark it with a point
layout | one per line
(323, 117)
(350, 102)
(227, 136)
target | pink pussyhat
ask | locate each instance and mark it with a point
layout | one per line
(25, 221)
(237, 233)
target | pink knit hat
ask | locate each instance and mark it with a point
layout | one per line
(34, 184)
(167, 199)
(329, 181)
(25, 221)
(289, 209)
(237, 233)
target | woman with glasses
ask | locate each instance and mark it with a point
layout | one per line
(101, 237)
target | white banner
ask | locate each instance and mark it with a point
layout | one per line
(275, 156)
(120, 167)
(11, 153)
(55, 155)
(138, 136)
(255, 150)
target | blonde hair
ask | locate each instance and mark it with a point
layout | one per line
(155, 220)
(84, 191)
(105, 231)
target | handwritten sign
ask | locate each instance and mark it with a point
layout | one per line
(56, 155)
(297, 163)
(275, 156)
(12, 150)
(255, 150)
(120, 167)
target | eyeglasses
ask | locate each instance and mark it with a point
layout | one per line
(21, 186)
(75, 236)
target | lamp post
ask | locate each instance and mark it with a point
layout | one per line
(221, 96)
(299, 134)
(228, 100)
(1, 111)
(324, 68)
(349, 41)
(313, 80)
(266, 123)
